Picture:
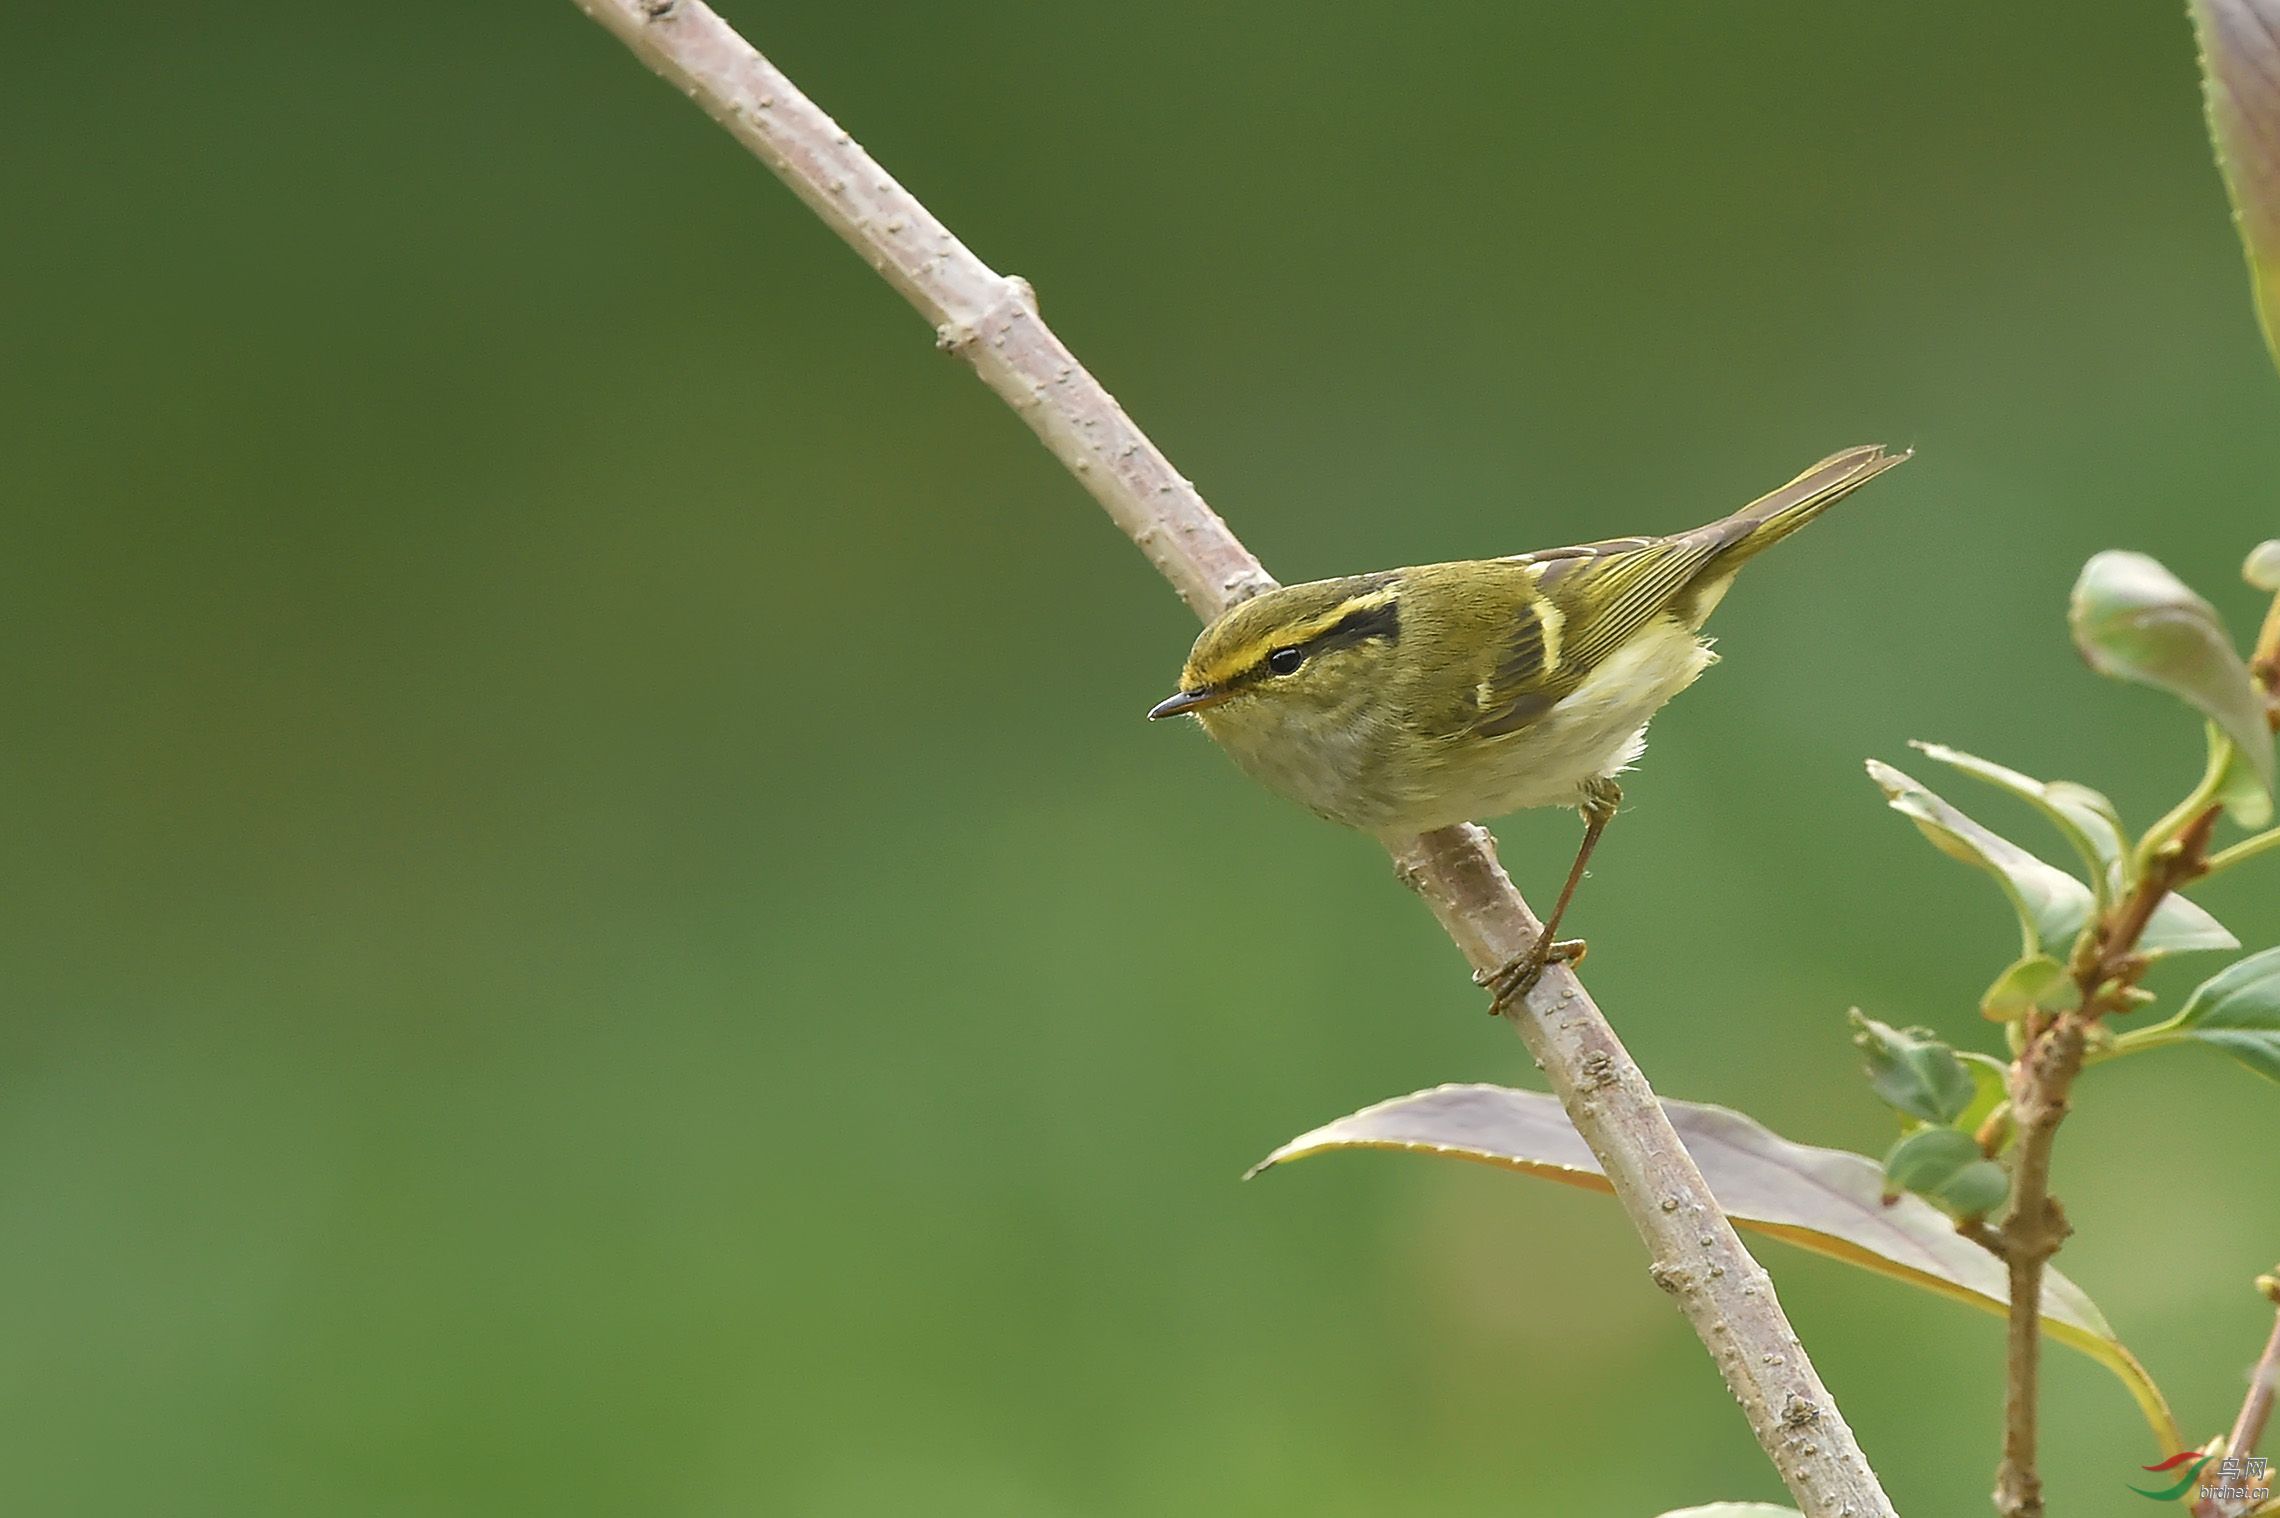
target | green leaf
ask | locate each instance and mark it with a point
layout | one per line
(2240, 67)
(1977, 1189)
(1926, 1160)
(1824, 1200)
(2033, 982)
(1912, 1070)
(2262, 567)
(2236, 789)
(2238, 1010)
(2052, 905)
(1991, 1088)
(2180, 925)
(2084, 817)
(2135, 620)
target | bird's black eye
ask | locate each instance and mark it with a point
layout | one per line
(1285, 661)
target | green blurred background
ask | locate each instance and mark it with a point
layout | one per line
(590, 923)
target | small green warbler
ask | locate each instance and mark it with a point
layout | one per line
(1413, 699)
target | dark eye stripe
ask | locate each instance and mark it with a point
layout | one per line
(1357, 626)
(1380, 621)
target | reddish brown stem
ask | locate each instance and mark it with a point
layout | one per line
(2248, 1428)
(2042, 1085)
(2255, 1411)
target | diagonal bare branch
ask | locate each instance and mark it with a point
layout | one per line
(991, 321)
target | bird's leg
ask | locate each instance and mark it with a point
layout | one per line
(1600, 798)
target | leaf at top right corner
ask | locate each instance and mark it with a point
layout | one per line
(2240, 67)
(2135, 620)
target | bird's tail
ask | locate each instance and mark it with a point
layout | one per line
(1767, 520)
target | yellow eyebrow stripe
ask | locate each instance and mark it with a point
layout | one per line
(1314, 627)
(1248, 655)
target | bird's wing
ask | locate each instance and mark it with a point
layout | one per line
(1573, 607)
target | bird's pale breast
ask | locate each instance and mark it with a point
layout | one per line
(1597, 730)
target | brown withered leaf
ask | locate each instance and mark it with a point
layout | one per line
(1825, 1200)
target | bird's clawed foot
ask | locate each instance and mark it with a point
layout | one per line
(1519, 977)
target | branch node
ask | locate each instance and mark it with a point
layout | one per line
(1016, 299)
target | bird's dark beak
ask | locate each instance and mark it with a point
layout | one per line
(1186, 701)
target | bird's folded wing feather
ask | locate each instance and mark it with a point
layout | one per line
(1574, 607)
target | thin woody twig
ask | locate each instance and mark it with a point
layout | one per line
(2264, 1380)
(2106, 965)
(991, 321)
(2030, 1234)
(2255, 1409)
(2042, 1085)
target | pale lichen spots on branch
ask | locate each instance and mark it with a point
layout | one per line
(1245, 585)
